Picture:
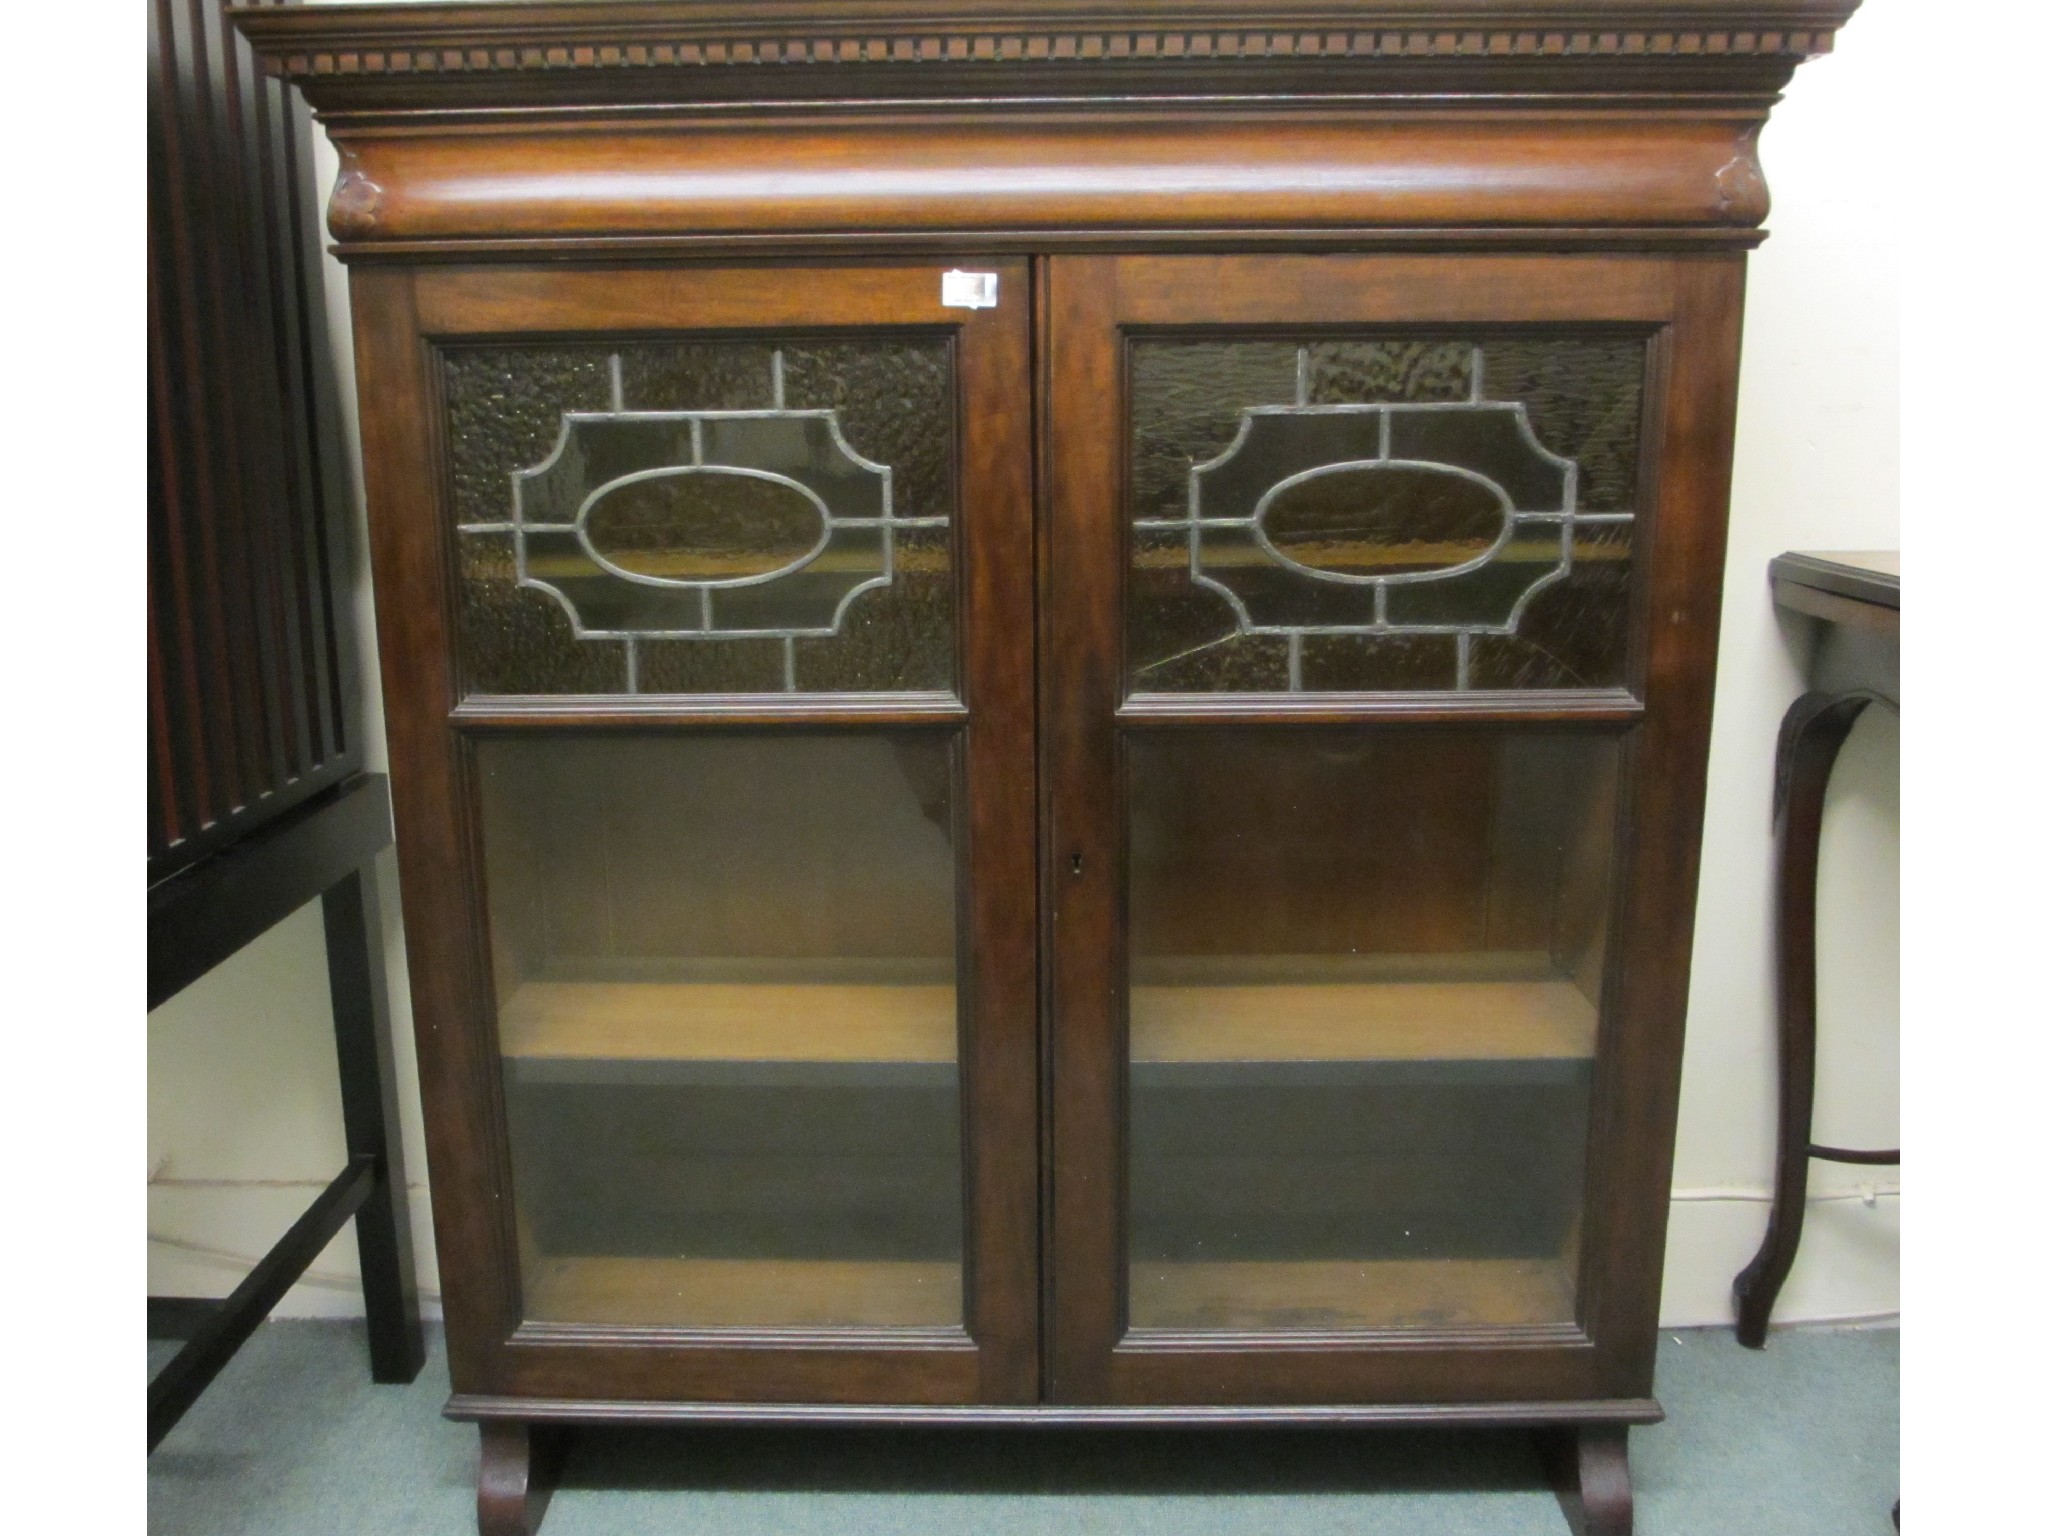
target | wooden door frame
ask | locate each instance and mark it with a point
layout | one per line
(1690, 306)
(496, 1361)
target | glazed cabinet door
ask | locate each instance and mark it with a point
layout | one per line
(1379, 601)
(701, 592)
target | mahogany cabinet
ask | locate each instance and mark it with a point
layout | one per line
(1048, 681)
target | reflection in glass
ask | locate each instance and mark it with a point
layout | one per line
(1373, 511)
(655, 496)
(725, 983)
(1364, 993)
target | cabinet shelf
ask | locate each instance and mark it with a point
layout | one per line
(1491, 1009)
(1286, 1008)
(1408, 1293)
(752, 1293)
(729, 1021)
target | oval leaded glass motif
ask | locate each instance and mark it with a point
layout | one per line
(704, 525)
(1360, 522)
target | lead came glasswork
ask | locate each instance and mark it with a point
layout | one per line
(1410, 514)
(696, 516)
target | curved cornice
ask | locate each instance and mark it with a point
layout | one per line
(532, 126)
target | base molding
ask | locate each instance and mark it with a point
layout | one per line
(467, 1407)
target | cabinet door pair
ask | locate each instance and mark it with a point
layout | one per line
(1130, 845)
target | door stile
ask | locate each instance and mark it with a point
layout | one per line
(996, 433)
(1081, 654)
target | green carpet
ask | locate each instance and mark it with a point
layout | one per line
(293, 1440)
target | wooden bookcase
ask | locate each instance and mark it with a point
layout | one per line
(1048, 680)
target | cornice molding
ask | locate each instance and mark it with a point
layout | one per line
(1159, 119)
(319, 43)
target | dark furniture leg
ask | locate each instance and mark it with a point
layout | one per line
(1588, 1467)
(369, 1111)
(178, 1385)
(515, 1477)
(1809, 739)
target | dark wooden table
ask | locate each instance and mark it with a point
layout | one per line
(1855, 599)
(325, 848)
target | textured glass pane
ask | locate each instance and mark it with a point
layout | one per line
(505, 407)
(710, 666)
(725, 982)
(1574, 633)
(517, 639)
(786, 508)
(1183, 638)
(1364, 991)
(1379, 663)
(1367, 372)
(895, 405)
(897, 638)
(697, 376)
(1382, 513)
(1187, 399)
(1584, 396)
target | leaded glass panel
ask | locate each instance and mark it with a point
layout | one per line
(704, 516)
(1382, 513)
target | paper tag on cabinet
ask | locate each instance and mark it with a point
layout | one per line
(968, 290)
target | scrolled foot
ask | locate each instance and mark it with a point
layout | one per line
(515, 1477)
(1588, 1467)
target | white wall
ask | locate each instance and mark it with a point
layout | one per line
(244, 1114)
(1816, 467)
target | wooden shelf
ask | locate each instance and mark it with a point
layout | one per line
(1390, 1293)
(729, 1021)
(743, 1293)
(1342, 1013)
(1312, 1008)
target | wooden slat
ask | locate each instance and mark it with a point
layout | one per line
(743, 1293)
(1392, 1293)
(246, 719)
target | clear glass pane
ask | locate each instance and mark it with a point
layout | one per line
(725, 981)
(704, 516)
(1369, 513)
(1365, 977)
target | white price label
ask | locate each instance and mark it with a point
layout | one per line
(968, 290)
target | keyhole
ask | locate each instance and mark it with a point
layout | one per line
(1074, 864)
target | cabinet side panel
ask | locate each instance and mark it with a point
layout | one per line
(1664, 803)
(431, 807)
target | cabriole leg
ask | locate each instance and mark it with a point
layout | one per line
(1808, 741)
